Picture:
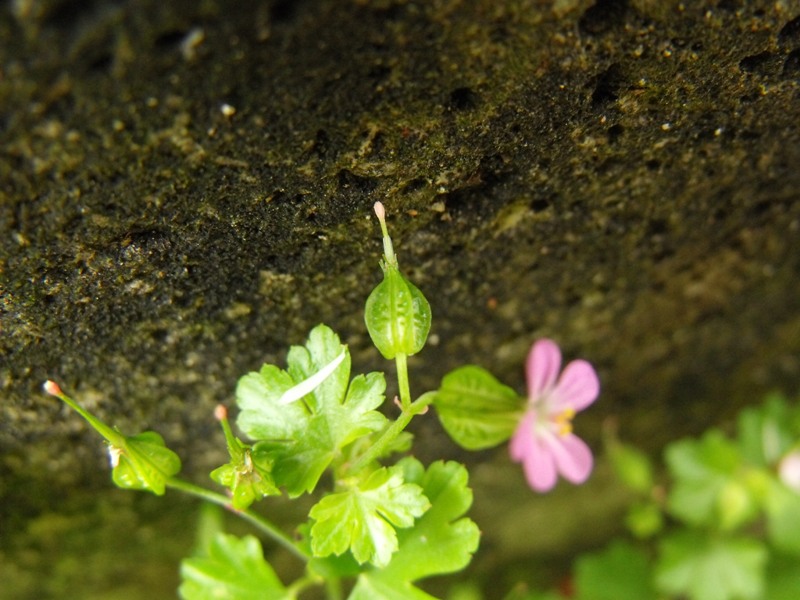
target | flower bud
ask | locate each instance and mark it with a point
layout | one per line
(397, 315)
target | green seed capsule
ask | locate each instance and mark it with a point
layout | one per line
(397, 315)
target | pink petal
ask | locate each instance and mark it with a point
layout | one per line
(573, 457)
(544, 361)
(521, 442)
(538, 462)
(577, 387)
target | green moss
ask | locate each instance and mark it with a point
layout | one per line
(625, 182)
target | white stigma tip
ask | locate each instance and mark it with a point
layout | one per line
(51, 387)
(220, 412)
(380, 212)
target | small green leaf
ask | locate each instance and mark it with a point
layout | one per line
(704, 568)
(363, 519)
(475, 409)
(303, 437)
(144, 463)
(248, 475)
(710, 486)
(767, 432)
(441, 541)
(139, 462)
(644, 519)
(620, 572)
(234, 569)
(632, 466)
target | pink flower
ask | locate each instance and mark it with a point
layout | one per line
(543, 441)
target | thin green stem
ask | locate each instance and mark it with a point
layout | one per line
(402, 380)
(248, 515)
(333, 586)
(299, 585)
(234, 449)
(388, 249)
(112, 436)
(417, 407)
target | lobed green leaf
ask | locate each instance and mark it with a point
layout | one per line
(441, 541)
(303, 437)
(363, 519)
(700, 567)
(710, 486)
(619, 572)
(234, 569)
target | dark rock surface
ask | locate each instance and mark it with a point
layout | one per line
(187, 189)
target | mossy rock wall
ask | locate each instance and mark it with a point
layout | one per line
(187, 190)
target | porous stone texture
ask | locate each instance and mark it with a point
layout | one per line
(187, 190)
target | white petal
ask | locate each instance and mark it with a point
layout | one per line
(309, 385)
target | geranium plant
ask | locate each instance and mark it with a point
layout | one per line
(382, 521)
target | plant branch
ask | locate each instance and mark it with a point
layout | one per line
(419, 406)
(248, 515)
(402, 380)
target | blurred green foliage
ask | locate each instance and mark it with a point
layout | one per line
(721, 522)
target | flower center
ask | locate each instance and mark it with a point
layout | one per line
(563, 421)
